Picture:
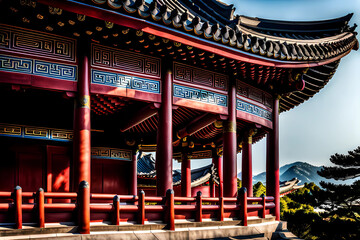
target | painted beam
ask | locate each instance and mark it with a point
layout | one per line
(196, 125)
(140, 116)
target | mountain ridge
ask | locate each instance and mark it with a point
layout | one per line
(303, 171)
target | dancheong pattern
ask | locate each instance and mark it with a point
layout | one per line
(110, 153)
(124, 81)
(253, 93)
(37, 44)
(52, 134)
(117, 59)
(39, 68)
(200, 77)
(21, 131)
(200, 95)
(252, 109)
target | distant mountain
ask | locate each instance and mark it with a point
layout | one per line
(261, 177)
(303, 171)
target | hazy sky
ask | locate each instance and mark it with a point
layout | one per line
(329, 122)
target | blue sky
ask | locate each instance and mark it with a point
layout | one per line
(329, 122)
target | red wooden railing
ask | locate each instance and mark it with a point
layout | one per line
(18, 207)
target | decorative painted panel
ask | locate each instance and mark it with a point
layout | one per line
(110, 153)
(37, 44)
(250, 92)
(200, 76)
(39, 68)
(200, 95)
(117, 59)
(201, 154)
(11, 130)
(252, 109)
(124, 81)
(195, 155)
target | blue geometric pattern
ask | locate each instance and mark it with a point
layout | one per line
(9, 130)
(38, 68)
(252, 109)
(200, 95)
(124, 81)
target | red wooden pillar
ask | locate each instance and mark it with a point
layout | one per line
(40, 198)
(84, 207)
(242, 199)
(219, 164)
(82, 131)
(17, 196)
(185, 176)
(272, 161)
(246, 169)
(230, 147)
(133, 186)
(116, 204)
(164, 150)
(170, 210)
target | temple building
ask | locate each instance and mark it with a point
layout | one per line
(86, 84)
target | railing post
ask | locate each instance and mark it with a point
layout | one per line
(221, 205)
(170, 210)
(199, 206)
(263, 202)
(141, 214)
(116, 204)
(242, 194)
(40, 201)
(84, 207)
(18, 207)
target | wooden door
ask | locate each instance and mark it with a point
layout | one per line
(58, 169)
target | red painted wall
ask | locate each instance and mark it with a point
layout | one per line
(110, 176)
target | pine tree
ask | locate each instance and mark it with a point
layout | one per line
(341, 201)
(348, 166)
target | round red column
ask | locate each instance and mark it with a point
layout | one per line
(230, 147)
(246, 169)
(82, 131)
(272, 160)
(185, 176)
(133, 184)
(164, 150)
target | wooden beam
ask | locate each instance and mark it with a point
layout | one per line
(197, 124)
(140, 116)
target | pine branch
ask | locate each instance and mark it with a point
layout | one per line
(350, 160)
(339, 173)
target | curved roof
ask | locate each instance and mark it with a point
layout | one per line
(312, 41)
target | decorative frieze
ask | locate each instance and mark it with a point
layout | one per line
(200, 154)
(250, 92)
(110, 153)
(37, 44)
(116, 59)
(200, 95)
(52, 134)
(200, 76)
(124, 81)
(21, 131)
(38, 68)
(253, 109)
(194, 155)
